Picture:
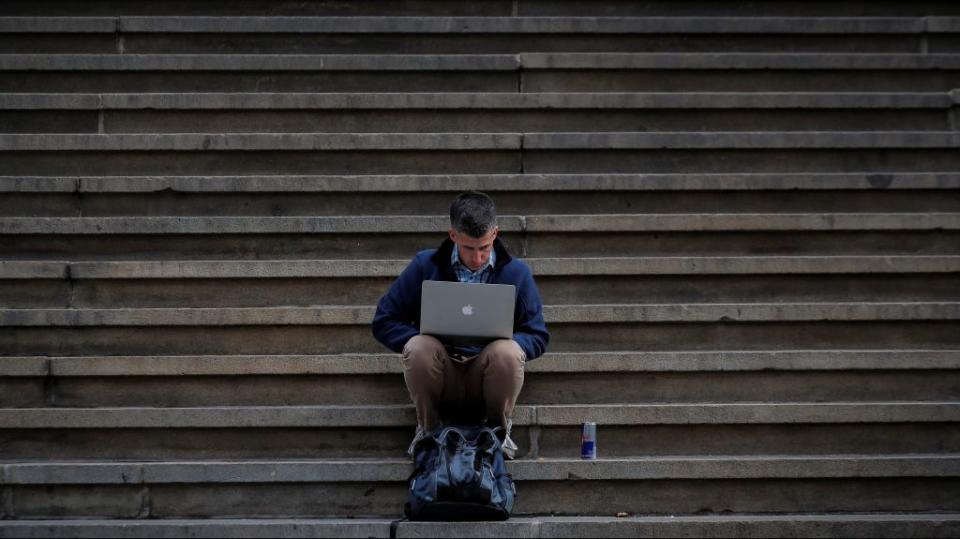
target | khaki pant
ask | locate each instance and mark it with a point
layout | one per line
(465, 392)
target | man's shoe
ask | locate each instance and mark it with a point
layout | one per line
(509, 448)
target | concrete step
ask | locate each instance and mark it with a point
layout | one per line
(486, 8)
(558, 314)
(261, 289)
(457, 153)
(551, 363)
(600, 328)
(480, 101)
(220, 417)
(458, 35)
(268, 7)
(370, 245)
(541, 267)
(398, 470)
(532, 224)
(516, 202)
(875, 434)
(561, 441)
(477, 25)
(376, 488)
(525, 72)
(743, 525)
(599, 378)
(777, 8)
(484, 112)
(795, 183)
(363, 237)
(475, 141)
(539, 389)
(97, 285)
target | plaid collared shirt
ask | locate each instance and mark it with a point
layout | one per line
(465, 275)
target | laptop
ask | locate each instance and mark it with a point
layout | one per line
(467, 314)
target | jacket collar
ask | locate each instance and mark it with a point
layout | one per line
(442, 257)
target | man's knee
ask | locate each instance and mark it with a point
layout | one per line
(505, 355)
(422, 351)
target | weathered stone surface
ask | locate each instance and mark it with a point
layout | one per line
(319, 471)
(505, 101)
(403, 415)
(189, 317)
(461, 141)
(76, 474)
(24, 366)
(262, 443)
(272, 62)
(71, 25)
(517, 203)
(738, 222)
(559, 441)
(274, 472)
(217, 417)
(362, 315)
(174, 528)
(50, 101)
(244, 80)
(515, 527)
(837, 525)
(789, 9)
(592, 362)
(312, 339)
(533, 224)
(713, 140)
(796, 439)
(190, 269)
(458, 25)
(237, 142)
(259, 62)
(718, 79)
(213, 365)
(487, 182)
(543, 388)
(736, 61)
(234, 225)
(15, 269)
(740, 413)
(739, 265)
(260, 8)
(432, 101)
(749, 312)
(117, 500)
(876, 525)
(613, 289)
(726, 468)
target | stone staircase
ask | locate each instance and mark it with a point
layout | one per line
(744, 219)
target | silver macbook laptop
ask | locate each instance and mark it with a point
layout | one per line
(467, 314)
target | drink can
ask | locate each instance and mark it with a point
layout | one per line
(588, 441)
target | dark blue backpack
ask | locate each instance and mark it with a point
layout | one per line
(459, 474)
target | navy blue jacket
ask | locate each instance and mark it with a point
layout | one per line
(398, 313)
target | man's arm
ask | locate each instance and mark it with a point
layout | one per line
(399, 309)
(530, 330)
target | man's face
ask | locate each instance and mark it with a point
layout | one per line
(474, 252)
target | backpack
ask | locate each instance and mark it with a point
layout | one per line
(459, 474)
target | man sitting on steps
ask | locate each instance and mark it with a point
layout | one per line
(463, 385)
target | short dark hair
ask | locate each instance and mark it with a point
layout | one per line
(473, 214)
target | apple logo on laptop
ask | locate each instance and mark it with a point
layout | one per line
(468, 310)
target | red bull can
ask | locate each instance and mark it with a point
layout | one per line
(588, 441)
